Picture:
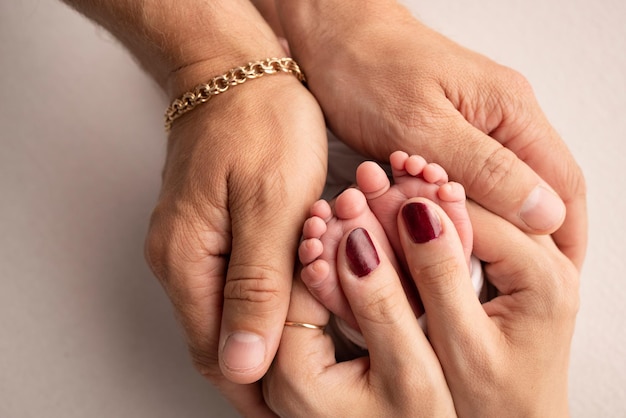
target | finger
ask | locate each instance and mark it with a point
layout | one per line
(540, 146)
(258, 282)
(524, 129)
(497, 179)
(373, 288)
(189, 269)
(195, 289)
(304, 374)
(529, 267)
(305, 309)
(437, 263)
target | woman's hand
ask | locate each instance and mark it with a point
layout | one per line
(401, 377)
(510, 356)
(387, 82)
(241, 173)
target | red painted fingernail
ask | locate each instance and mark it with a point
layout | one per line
(361, 253)
(422, 222)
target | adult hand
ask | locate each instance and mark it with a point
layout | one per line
(387, 82)
(241, 172)
(401, 377)
(509, 356)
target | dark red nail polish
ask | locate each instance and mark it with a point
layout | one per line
(421, 222)
(361, 253)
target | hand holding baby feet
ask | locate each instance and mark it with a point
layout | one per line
(375, 207)
(412, 176)
(528, 327)
(322, 233)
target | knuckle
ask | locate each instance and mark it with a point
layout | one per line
(162, 248)
(440, 278)
(166, 246)
(566, 292)
(154, 245)
(253, 284)
(205, 362)
(576, 182)
(496, 169)
(513, 95)
(378, 307)
(179, 240)
(570, 182)
(557, 292)
(516, 82)
(152, 251)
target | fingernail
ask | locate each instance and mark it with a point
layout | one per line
(422, 222)
(361, 253)
(243, 351)
(542, 210)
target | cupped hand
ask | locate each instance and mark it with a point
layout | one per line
(387, 82)
(241, 173)
(510, 356)
(401, 377)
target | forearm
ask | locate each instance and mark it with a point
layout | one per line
(183, 42)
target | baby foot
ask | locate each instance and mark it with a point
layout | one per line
(412, 177)
(375, 207)
(322, 233)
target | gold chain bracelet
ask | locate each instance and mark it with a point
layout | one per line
(203, 92)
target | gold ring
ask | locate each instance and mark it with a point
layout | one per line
(304, 325)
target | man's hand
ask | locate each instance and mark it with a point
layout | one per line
(241, 173)
(387, 82)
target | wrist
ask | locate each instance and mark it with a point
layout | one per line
(315, 27)
(181, 39)
(225, 35)
(243, 101)
(189, 76)
(221, 84)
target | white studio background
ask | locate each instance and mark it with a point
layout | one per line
(84, 328)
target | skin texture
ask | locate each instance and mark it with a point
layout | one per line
(401, 377)
(374, 205)
(386, 82)
(509, 358)
(215, 243)
(224, 233)
(512, 353)
(215, 239)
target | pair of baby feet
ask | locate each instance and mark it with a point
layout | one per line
(374, 205)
